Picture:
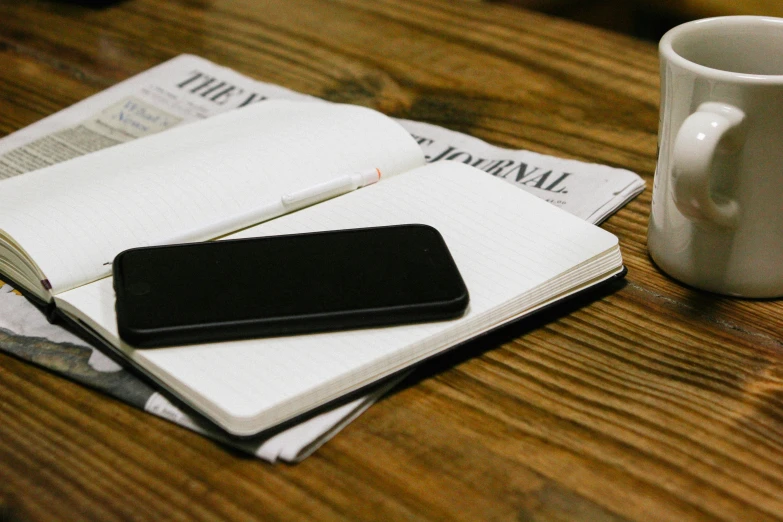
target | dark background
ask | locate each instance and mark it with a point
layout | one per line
(647, 19)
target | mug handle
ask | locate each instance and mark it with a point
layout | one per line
(694, 154)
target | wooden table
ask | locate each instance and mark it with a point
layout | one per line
(652, 402)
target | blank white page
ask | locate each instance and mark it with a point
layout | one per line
(506, 243)
(74, 217)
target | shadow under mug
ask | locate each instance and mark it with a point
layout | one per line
(717, 207)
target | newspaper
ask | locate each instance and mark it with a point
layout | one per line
(189, 88)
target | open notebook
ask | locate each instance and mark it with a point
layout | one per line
(60, 228)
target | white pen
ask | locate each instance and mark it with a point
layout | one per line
(287, 203)
(330, 189)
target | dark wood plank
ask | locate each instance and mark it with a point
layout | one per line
(652, 402)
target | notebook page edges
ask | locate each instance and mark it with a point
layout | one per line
(74, 217)
(505, 242)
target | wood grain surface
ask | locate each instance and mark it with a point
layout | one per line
(650, 401)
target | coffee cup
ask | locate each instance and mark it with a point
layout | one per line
(717, 206)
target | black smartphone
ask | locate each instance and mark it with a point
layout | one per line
(283, 285)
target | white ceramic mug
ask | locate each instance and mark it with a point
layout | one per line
(717, 205)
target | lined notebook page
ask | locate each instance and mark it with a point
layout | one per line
(74, 217)
(504, 241)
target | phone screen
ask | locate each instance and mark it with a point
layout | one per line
(285, 285)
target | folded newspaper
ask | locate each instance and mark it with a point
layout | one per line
(188, 88)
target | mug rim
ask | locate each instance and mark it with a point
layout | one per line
(665, 47)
